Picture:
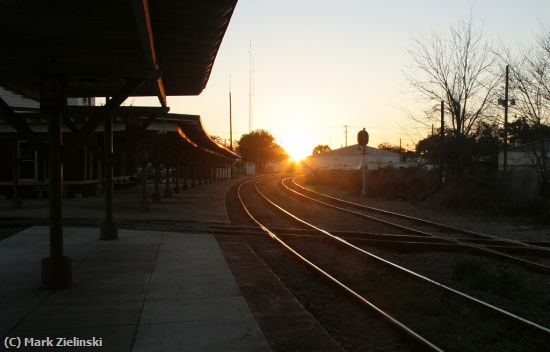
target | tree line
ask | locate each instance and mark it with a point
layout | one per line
(466, 73)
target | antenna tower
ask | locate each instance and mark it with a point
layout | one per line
(230, 118)
(250, 87)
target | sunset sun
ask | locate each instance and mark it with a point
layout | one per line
(297, 145)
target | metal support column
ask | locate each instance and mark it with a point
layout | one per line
(109, 229)
(57, 268)
(16, 199)
(167, 191)
(144, 204)
(156, 193)
(177, 179)
(185, 177)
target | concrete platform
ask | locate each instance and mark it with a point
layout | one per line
(200, 204)
(163, 286)
(148, 291)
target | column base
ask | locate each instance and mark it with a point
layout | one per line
(16, 202)
(185, 187)
(176, 190)
(108, 231)
(155, 198)
(57, 273)
(144, 205)
(167, 193)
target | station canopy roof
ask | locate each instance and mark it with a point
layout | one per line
(99, 45)
(191, 129)
(188, 128)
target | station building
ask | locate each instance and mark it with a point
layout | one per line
(351, 158)
(115, 50)
(142, 136)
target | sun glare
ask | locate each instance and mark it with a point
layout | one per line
(297, 146)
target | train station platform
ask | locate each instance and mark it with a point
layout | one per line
(204, 204)
(156, 288)
(147, 291)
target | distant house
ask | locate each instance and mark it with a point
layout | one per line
(527, 168)
(351, 158)
(525, 155)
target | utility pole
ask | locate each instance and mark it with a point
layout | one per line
(506, 119)
(346, 133)
(506, 103)
(442, 143)
(400, 152)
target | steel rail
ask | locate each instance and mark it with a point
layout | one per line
(355, 236)
(489, 306)
(419, 220)
(402, 327)
(537, 266)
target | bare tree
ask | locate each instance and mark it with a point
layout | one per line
(457, 69)
(531, 83)
(531, 88)
(544, 44)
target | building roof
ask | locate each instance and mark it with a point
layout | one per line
(188, 127)
(191, 129)
(529, 147)
(99, 45)
(357, 150)
(17, 101)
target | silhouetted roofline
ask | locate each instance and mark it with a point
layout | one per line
(354, 150)
(192, 129)
(98, 45)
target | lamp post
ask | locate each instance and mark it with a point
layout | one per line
(363, 140)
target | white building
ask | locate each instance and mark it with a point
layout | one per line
(524, 156)
(351, 158)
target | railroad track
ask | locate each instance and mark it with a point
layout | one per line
(403, 241)
(491, 245)
(303, 250)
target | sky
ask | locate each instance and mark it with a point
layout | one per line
(320, 65)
